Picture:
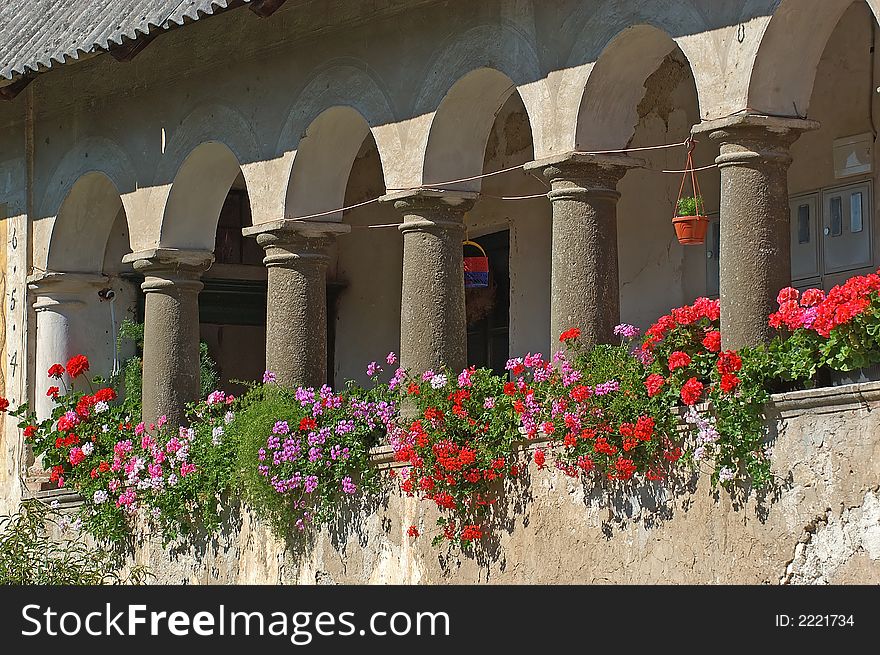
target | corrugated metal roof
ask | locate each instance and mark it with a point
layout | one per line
(36, 35)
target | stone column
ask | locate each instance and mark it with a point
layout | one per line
(59, 299)
(171, 329)
(297, 254)
(755, 257)
(584, 277)
(433, 328)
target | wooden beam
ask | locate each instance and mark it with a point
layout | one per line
(9, 91)
(265, 8)
(131, 49)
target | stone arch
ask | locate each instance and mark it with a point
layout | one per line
(209, 130)
(196, 197)
(459, 132)
(787, 58)
(83, 198)
(346, 94)
(608, 111)
(466, 86)
(323, 162)
(86, 217)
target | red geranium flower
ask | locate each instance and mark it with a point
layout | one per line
(77, 365)
(56, 371)
(678, 359)
(691, 391)
(570, 334)
(471, 532)
(729, 382)
(105, 395)
(52, 392)
(654, 383)
(412, 531)
(4, 404)
(540, 458)
(712, 341)
(30, 431)
(729, 362)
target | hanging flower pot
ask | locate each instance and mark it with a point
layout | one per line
(690, 220)
(476, 268)
(689, 223)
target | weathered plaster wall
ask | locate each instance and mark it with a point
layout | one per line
(823, 525)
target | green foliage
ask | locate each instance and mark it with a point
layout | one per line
(132, 369)
(855, 344)
(689, 206)
(197, 500)
(31, 555)
(261, 413)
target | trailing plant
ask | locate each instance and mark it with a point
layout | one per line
(96, 444)
(31, 554)
(594, 405)
(459, 442)
(303, 451)
(608, 414)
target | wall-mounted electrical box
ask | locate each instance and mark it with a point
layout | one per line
(853, 155)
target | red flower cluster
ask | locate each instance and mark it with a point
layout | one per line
(702, 309)
(813, 310)
(678, 359)
(77, 365)
(56, 371)
(691, 391)
(570, 335)
(712, 341)
(654, 383)
(4, 404)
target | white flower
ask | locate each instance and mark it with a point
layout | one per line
(438, 381)
(726, 474)
(699, 453)
(54, 504)
(101, 407)
(216, 433)
(172, 480)
(182, 453)
(88, 448)
(99, 497)
(229, 417)
(105, 428)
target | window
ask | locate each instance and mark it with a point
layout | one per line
(836, 217)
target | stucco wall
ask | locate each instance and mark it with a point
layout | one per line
(822, 526)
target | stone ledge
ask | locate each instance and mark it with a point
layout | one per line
(826, 400)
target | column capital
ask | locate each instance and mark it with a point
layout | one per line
(752, 138)
(56, 288)
(290, 242)
(294, 228)
(431, 209)
(584, 171)
(170, 260)
(167, 268)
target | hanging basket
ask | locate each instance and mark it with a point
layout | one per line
(690, 229)
(476, 268)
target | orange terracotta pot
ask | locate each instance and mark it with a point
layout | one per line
(690, 230)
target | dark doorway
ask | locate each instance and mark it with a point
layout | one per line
(488, 309)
